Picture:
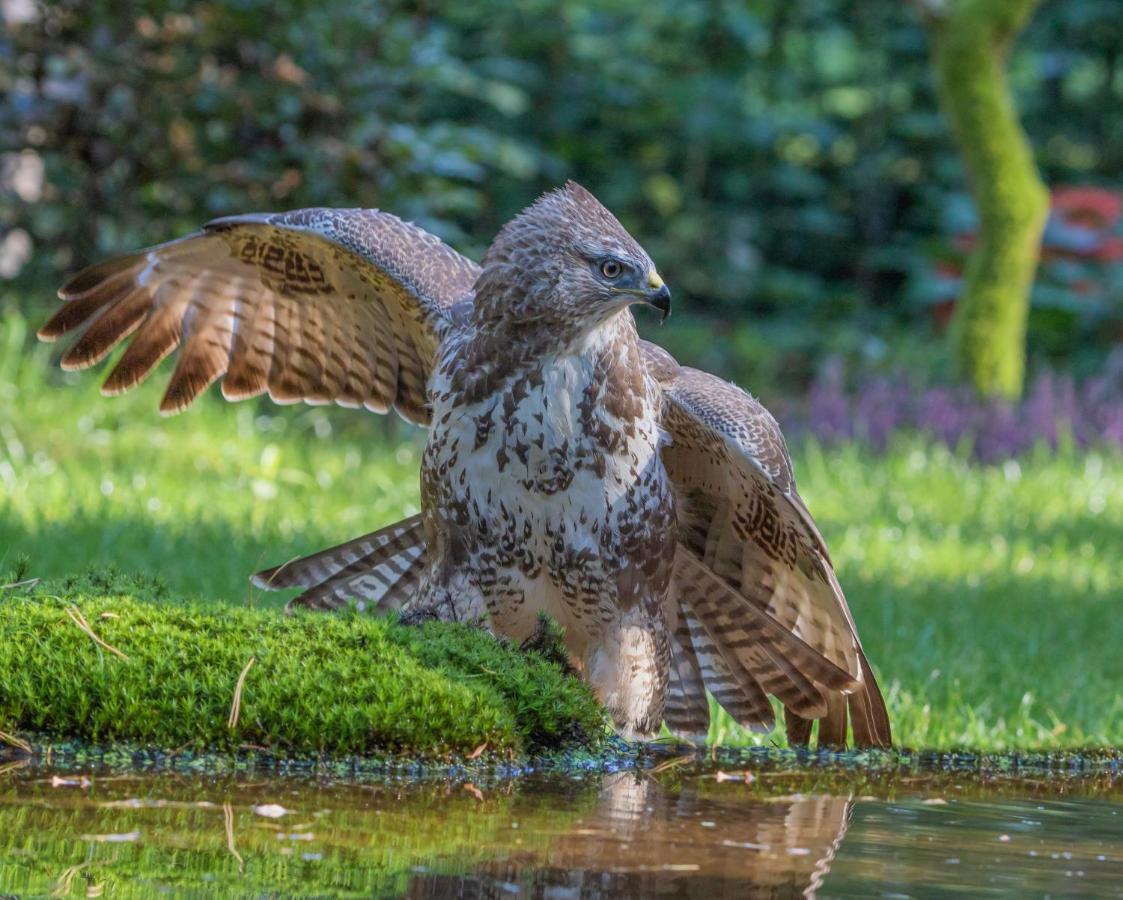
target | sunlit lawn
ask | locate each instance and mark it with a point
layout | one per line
(989, 598)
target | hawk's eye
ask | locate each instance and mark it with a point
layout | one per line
(611, 269)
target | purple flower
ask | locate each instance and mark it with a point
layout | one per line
(1054, 409)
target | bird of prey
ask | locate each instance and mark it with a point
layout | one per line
(571, 468)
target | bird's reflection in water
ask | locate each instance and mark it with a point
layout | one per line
(644, 838)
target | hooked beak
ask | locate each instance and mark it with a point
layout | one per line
(658, 295)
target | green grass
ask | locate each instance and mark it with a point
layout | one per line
(987, 596)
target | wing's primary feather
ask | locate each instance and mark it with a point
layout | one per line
(754, 539)
(741, 520)
(314, 306)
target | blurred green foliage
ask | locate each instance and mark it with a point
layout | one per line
(785, 163)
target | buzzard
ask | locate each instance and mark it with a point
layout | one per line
(571, 468)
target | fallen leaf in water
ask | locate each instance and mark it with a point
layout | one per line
(271, 810)
(934, 801)
(474, 791)
(748, 845)
(82, 782)
(127, 837)
(156, 803)
(475, 754)
(746, 777)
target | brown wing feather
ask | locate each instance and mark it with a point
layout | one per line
(687, 710)
(735, 689)
(742, 520)
(318, 567)
(314, 306)
(754, 539)
(753, 641)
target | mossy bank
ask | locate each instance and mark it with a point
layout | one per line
(99, 659)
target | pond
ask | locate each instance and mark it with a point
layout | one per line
(749, 826)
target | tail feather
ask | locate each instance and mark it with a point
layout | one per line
(734, 688)
(687, 711)
(751, 640)
(868, 718)
(383, 568)
(798, 728)
(832, 726)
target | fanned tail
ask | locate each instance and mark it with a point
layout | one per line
(383, 569)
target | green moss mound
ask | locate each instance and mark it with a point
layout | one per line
(319, 684)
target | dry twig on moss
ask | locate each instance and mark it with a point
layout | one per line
(78, 619)
(14, 741)
(236, 706)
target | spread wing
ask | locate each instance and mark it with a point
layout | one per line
(314, 305)
(741, 518)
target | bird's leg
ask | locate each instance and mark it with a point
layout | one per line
(627, 670)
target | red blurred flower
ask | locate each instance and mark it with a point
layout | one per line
(1111, 250)
(1092, 206)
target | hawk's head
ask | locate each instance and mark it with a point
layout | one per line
(567, 259)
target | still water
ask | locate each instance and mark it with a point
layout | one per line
(685, 828)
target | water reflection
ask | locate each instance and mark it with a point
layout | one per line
(646, 839)
(686, 832)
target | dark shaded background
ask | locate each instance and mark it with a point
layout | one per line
(785, 163)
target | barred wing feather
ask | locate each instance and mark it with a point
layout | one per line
(741, 519)
(315, 305)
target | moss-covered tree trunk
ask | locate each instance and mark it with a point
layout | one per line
(970, 44)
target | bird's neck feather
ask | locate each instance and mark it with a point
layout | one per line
(500, 350)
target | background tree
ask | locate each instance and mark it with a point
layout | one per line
(971, 41)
